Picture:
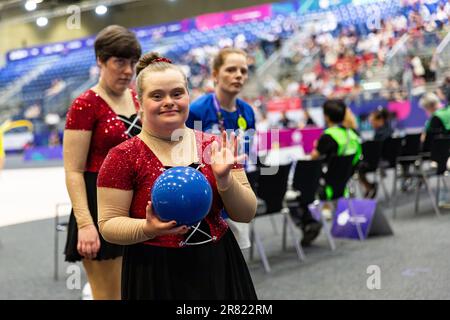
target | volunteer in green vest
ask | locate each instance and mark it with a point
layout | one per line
(439, 121)
(336, 139)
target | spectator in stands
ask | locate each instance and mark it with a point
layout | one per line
(56, 87)
(99, 119)
(408, 73)
(307, 120)
(380, 122)
(444, 90)
(350, 121)
(263, 122)
(439, 122)
(285, 122)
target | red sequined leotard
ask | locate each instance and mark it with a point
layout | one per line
(133, 166)
(90, 112)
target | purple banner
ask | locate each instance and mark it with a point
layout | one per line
(153, 32)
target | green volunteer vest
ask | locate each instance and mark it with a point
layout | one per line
(444, 115)
(348, 143)
(347, 140)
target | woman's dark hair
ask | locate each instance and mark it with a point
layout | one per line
(335, 110)
(381, 114)
(117, 41)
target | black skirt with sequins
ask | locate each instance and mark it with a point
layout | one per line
(211, 271)
(107, 250)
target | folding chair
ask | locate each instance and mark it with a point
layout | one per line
(440, 150)
(271, 190)
(371, 157)
(253, 178)
(339, 171)
(306, 182)
(410, 154)
(390, 152)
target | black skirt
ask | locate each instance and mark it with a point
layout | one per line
(211, 271)
(107, 250)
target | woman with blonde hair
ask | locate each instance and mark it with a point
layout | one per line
(223, 110)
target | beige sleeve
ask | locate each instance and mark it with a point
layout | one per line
(114, 222)
(75, 151)
(239, 199)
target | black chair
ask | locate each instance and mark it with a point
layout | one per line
(371, 157)
(307, 177)
(410, 147)
(271, 190)
(440, 151)
(307, 182)
(409, 156)
(390, 152)
(339, 172)
(371, 154)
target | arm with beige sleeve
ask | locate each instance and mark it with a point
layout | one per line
(238, 198)
(116, 226)
(114, 222)
(75, 151)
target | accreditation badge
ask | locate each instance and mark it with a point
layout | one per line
(242, 123)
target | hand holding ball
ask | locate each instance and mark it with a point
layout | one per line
(182, 194)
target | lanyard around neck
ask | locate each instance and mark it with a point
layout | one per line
(241, 122)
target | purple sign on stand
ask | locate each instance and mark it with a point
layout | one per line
(347, 216)
(351, 212)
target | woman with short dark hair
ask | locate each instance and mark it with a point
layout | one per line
(98, 120)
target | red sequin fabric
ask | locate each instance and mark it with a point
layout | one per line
(133, 166)
(90, 112)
